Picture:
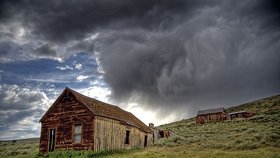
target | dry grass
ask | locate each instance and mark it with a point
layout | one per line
(256, 137)
(187, 151)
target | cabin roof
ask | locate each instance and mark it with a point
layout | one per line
(100, 108)
(210, 111)
(238, 112)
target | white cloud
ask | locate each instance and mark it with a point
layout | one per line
(47, 80)
(99, 66)
(78, 66)
(96, 92)
(82, 77)
(92, 37)
(14, 97)
(148, 116)
(20, 110)
(6, 60)
(66, 67)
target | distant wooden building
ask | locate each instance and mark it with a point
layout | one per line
(239, 114)
(165, 133)
(211, 115)
(159, 133)
(77, 122)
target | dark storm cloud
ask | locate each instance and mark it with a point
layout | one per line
(163, 54)
(45, 50)
(8, 47)
(220, 56)
(61, 20)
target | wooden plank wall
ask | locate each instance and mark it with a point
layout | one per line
(63, 118)
(110, 135)
(207, 118)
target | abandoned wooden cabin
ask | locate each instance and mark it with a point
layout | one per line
(159, 133)
(239, 114)
(211, 115)
(78, 122)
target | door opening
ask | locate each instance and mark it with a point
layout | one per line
(146, 141)
(52, 140)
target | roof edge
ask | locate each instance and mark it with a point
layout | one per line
(53, 104)
(58, 99)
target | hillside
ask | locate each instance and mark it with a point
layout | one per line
(263, 106)
(262, 130)
(255, 137)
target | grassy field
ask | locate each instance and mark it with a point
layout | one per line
(19, 148)
(257, 137)
(194, 152)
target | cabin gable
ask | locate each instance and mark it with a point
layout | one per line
(61, 119)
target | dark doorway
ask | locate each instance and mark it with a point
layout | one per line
(145, 141)
(52, 140)
(127, 137)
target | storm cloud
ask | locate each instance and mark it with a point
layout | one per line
(165, 56)
(55, 19)
(219, 56)
(21, 109)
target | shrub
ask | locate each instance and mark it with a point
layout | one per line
(258, 137)
(273, 139)
(160, 142)
(177, 139)
(248, 146)
(238, 141)
(13, 153)
(251, 131)
(170, 144)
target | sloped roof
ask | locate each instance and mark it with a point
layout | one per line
(210, 111)
(100, 108)
(237, 112)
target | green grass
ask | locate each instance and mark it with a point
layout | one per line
(262, 130)
(189, 151)
(255, 137)
(19, 148)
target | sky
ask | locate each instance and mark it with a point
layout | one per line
(161, 60)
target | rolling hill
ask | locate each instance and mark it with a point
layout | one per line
(261, 130)
(258, 136)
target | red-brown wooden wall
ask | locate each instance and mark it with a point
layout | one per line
(62, 118)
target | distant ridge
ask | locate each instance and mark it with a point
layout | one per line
(258, 106)
(22, 140)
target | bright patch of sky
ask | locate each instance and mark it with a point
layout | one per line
(33, 85)
(48, 71)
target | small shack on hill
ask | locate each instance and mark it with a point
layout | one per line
(160, 133)
(211, 115)
(239, 114)
(78, 122)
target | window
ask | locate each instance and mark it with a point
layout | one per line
(127, 137)
(77, 133)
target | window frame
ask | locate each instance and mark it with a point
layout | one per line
(77, 134)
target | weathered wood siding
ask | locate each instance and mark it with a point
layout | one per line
(207, 118)
(110, 135)
(236, 115)
(62, 118)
